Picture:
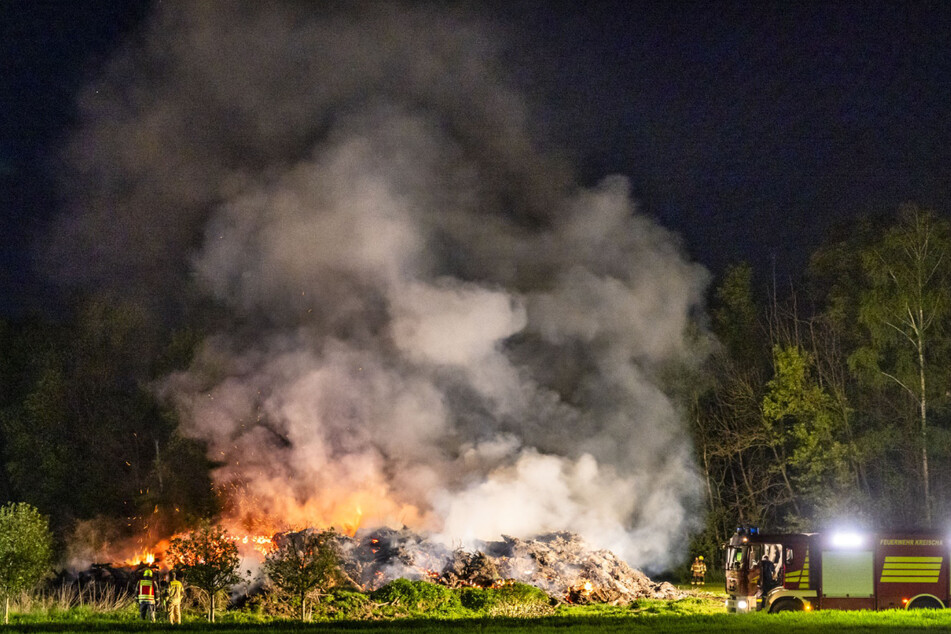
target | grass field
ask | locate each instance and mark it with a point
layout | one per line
(702, 613)
(825, 622)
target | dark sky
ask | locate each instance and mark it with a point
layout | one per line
(48, 50)
(749, 128)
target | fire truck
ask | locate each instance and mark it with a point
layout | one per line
(842, 571)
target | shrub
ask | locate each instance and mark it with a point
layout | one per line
(416, 596)
(515, 599)
(345, 604)
(434, 597)
(267, 603)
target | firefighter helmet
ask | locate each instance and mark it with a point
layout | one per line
(147, 573)
(701, 558)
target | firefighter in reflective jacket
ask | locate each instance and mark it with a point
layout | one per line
(698, 569)
(174, 600)
(147, 593)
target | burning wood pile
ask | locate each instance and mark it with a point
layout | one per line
(561, 564)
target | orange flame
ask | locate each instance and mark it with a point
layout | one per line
(262, 544)
(351, 527)
(579, 591)
(252, 518)
(251, 509)
(145, 556)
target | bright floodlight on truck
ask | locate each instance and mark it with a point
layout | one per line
(848, 539)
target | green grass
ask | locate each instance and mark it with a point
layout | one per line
(600, 620)
(406, 607)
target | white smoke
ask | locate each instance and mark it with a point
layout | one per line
(430, 324)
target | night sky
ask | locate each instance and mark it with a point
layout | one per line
(751, 129)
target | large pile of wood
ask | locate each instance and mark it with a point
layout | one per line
(561, 564)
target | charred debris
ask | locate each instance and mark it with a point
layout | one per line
(562, 564)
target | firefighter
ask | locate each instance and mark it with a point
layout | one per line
(698, 569)
(147, 593)
(767, 574)
(173, 600)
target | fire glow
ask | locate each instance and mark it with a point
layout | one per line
(258, 543)
(262, 544)
(146, 558)
(254, 546)
(340, 510)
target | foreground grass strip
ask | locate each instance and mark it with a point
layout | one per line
(693, 614)
(891, 621)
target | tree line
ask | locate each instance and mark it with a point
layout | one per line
(83, 437)
(826, 398)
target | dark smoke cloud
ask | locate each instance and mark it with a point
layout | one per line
(447, 332)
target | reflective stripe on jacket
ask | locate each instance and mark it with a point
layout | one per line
(147, 591)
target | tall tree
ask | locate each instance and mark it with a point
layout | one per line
(905, 311)
(802, 419)
(734, 450)
(737, 318)
(865, 402)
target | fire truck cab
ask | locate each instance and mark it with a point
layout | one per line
(844, 571)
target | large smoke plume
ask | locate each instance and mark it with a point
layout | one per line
(430, 323)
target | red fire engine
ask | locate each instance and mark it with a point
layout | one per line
(845, 571)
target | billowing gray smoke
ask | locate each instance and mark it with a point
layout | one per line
(430, 324)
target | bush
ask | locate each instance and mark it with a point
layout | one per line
(434, 597)
(267, 603)
(417, 596)
(515, 599)
(345, 604)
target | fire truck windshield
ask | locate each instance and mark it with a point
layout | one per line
(734, 557)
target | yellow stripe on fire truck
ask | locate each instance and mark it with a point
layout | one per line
(800, 576)
(911, 569)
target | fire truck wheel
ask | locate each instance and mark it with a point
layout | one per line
(925, 603)
(786, 605)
